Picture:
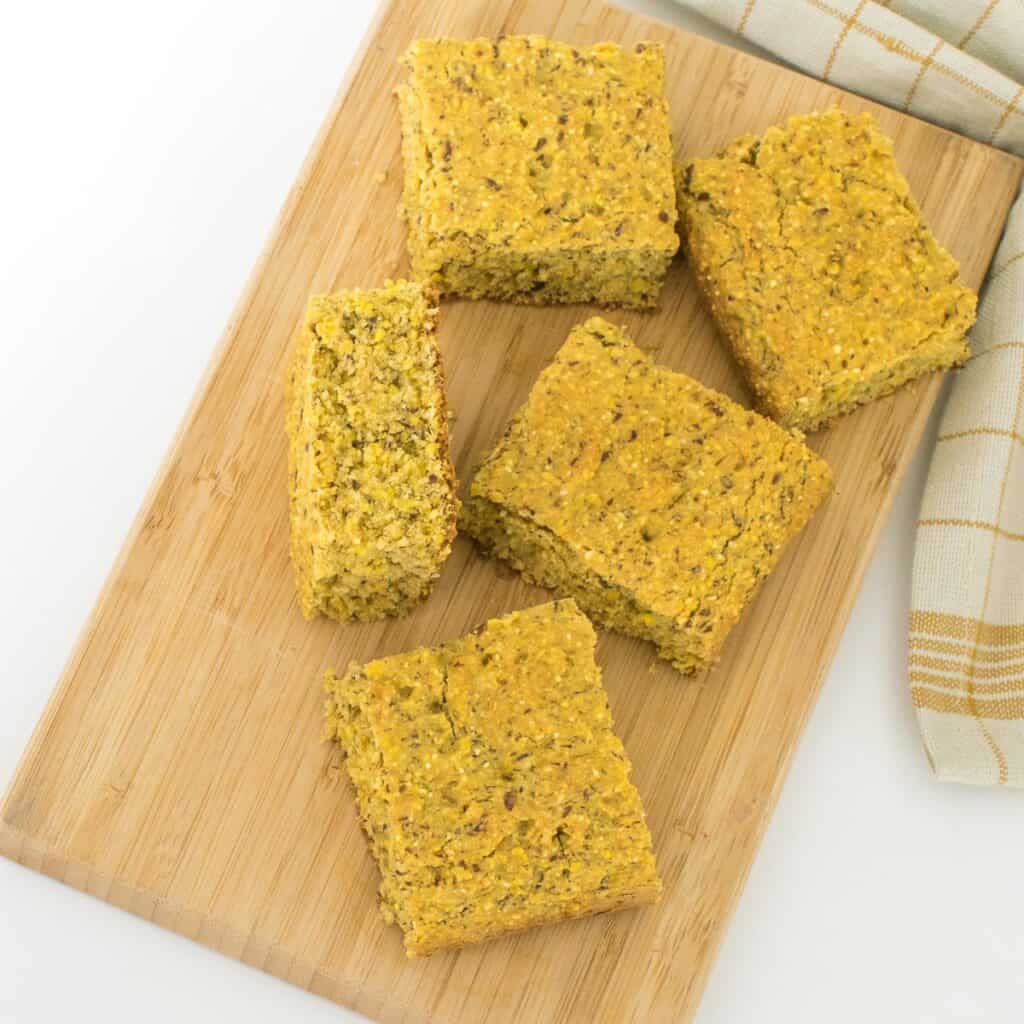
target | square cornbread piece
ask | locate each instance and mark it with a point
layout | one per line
(657, 503)
(490, 783)
(371, 485)
(818, 269)
(538, 172)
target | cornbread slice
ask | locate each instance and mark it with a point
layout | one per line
(818, 269)
(657, 503)
(490, 783)
(372, 489)
(538, 172)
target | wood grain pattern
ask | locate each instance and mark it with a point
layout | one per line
(177, 771)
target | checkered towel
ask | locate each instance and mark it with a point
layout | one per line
(959, 63)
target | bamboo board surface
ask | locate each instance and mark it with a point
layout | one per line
(177, 771)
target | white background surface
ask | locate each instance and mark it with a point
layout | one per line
(147, 149)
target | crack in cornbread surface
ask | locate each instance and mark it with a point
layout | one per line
(538, 172)
(492, 788)
(818, 269)
(371, 486)
(657, 503)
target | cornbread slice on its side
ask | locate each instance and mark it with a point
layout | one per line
(372, 489)
(538, 172)
(657, 503)
(818, 269)
(490, 783)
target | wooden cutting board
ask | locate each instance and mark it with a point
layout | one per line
(178, 772)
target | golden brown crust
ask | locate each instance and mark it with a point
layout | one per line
(819, 272)
(490, 783)
(536, 171)
(443, 427)
(658, 504)
(372, 487)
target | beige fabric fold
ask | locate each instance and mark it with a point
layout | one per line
(966, 664)
(959, 64)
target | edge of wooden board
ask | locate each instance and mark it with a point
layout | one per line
(170, 915)
(930, 396)
(227, 336)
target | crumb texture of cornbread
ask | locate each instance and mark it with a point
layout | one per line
(538, 172)
(818, 268)
(490, 783)
(371, 484)
(658, 504)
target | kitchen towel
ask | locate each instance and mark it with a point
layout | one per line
(961, 65)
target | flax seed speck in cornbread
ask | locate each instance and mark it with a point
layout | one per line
(818, 269)
(537, 171)
(492, 788)
(371, 486)
(658, 504)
